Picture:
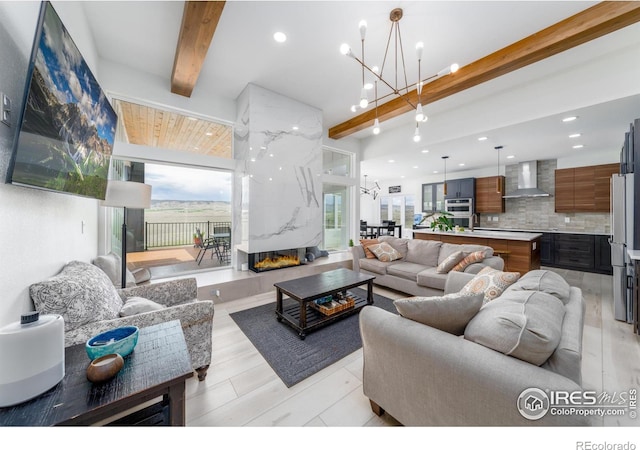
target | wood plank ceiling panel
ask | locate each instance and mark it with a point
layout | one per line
(599, 20)
(152, 127)
(199, 22)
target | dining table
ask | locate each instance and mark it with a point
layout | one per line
(379, 229)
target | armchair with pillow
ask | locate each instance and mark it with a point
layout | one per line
(471, 356)
(89, 303)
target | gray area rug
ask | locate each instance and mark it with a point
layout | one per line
(294, 359)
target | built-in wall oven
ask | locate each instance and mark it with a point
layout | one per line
(461, 210)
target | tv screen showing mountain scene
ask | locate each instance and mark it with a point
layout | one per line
(68, 126)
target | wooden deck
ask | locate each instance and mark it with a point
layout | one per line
(167, 262)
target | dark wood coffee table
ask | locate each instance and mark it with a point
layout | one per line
(301, 316)
(157, 369)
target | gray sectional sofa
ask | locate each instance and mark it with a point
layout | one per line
(415, 273)
(529, 337)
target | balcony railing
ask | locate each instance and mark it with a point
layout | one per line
(176, 234)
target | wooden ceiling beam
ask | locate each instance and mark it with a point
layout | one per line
(592, 23)
(199, 22)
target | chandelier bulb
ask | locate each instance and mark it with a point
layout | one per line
(454, 67)
(364, 101)
(345, 49)
(376, 127)
(363, 29)
(419, 48)
(416, 135)
(419, 113)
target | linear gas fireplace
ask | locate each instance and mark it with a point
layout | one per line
(280, 259)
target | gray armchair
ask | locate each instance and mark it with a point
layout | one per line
(90, 304)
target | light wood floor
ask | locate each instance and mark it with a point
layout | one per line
(241, 390)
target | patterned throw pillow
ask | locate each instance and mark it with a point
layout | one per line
(384, 252)
(80, 293)
(365, 245)
(449, 262)
(492, 282)
(468, 260)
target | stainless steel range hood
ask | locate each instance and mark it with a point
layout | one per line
(527, 182)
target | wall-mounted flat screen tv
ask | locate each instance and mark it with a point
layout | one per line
(67, 126)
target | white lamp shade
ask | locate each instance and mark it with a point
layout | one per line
(127, 194)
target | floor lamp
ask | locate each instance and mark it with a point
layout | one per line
(126, 194)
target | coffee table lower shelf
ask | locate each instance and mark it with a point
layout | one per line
(314, 318)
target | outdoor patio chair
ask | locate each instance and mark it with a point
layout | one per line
(222, 236)
(204, 245)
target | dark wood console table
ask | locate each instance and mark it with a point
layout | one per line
(157, 368)
(301, 316)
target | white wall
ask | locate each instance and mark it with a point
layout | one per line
(39, 231)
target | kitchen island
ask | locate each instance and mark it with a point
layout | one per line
(520, 251)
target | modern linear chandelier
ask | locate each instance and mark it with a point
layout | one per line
(373, 191)
(395, 89)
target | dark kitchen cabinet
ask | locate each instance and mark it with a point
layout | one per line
(546, 249)
(574, 251)
(461, 188)
(602, 259)
(432, 197)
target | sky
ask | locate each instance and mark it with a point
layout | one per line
(184, 183)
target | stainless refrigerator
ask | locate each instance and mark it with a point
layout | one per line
(622, 221)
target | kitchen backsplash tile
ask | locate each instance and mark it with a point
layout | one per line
(539, 213)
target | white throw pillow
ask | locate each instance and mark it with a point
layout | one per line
(450, 313)
(384, 252)
(138, 305)
(450, 261)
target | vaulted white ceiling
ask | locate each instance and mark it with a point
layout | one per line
(519, 111)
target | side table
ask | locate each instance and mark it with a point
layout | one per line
(157, 368)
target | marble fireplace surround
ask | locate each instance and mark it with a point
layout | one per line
(278, 185)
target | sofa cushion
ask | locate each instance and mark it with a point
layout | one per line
(385, 252)
(111, 264)
(471, 258)
(138, 305)
(405, 270)
(449, 313)
(470, 248)
(431, 278)
(544, 281)
(399, 244)
(491, 281)
(450, 262)
(524, 324)
(80, 293)
(423, 252)
(365, 244)
(376, 266)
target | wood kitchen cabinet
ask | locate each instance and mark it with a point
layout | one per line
(584, 189)
(489, 192)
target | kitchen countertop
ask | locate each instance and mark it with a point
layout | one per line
(482, 233)
(634, 254)
(598, 233)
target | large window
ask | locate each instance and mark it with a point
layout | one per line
(336, 209)
(399, 208)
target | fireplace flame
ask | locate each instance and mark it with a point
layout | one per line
(277, 263)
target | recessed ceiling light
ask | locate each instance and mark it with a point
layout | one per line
(295, 127)
(435, 171)
(415, 167)
(569, 119)
(510, 157)
(461, 164)
(279, 36)
(253, 160)
(425, 151)
(575, 135)
(578, 146)
(354, 108)
(401, 176)
(392, 160)
(271, 155)
(483, 138)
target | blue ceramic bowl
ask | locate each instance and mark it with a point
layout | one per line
(119, 340)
